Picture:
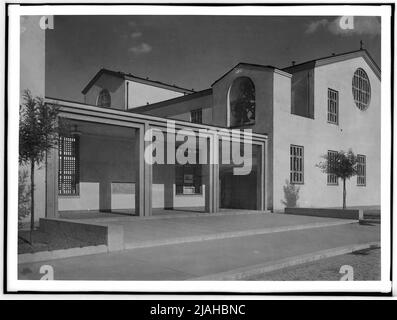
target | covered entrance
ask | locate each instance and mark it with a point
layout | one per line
(102, 168)
(98, 169)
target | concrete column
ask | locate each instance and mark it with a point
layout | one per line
(265, 166)
(169, 169)
(215, 174)
(51, 209)
(140, 174)
(207, 181)
(169, 185)
(32, 56)
(32, 77)
(147, 179)
(259, 178)
(105, 194)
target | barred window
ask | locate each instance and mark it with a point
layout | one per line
(104, 99)
(68, 171)
(361, 89)
(332, 179)
(296, 164)
(196, 116)
(361, 170)
(333, 106)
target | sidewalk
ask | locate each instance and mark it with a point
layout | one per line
(198, 259)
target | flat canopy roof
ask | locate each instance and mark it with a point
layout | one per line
(89, 112)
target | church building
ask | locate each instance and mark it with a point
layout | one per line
(289, 117)
(301, 113)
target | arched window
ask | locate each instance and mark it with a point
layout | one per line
(104, 99)
(361, 89)
(241, 102)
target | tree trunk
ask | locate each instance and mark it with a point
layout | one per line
(31, 197)
(344, 193)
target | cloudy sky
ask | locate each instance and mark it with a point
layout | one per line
(190, 51)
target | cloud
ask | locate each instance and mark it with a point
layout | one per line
(133, 35)
(140, 48)
(313, 26)
(136, 34)
(370, 26)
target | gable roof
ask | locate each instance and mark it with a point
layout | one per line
(165, 103)
(336, 58)
(252, 66)
(129, 76)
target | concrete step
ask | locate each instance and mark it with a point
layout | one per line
(234, 234)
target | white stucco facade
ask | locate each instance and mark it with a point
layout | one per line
(357, 130)
(277, 101)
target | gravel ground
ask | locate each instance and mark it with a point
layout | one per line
(365, 263)
(41, 242)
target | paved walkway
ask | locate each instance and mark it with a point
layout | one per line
(197, 259)
(173, 229)
(365, 263)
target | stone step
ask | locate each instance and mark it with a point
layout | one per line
(234, 234)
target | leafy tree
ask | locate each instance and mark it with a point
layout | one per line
(38, 133)
(343, 165)
(291, 195)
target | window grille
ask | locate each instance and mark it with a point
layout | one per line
(296, 164)
(333, 106)
(361, 89)
(68, 171)
(196, 116)
(361, 170)
(332, 179)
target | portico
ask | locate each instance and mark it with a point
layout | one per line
(103, 166)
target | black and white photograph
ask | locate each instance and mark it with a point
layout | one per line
(199, 148)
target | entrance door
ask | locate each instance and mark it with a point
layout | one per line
(242, 189)
(238, 192)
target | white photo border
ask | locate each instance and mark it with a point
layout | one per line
(210, 287)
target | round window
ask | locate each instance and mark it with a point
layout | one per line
(361, 89)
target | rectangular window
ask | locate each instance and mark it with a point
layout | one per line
(332, 179)
(68, 171)
(333, 106)
(196, 116)
(296, 164)
(188, 179)
(361, 170)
